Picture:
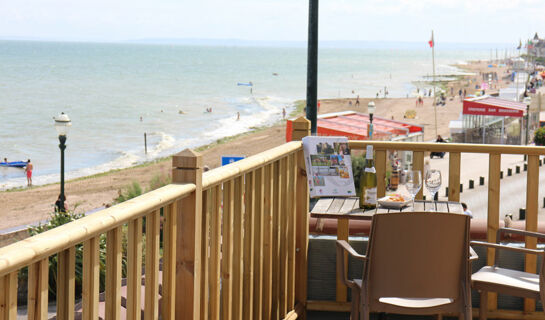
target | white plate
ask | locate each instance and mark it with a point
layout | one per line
(385, 203)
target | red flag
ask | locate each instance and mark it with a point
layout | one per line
(431, 42)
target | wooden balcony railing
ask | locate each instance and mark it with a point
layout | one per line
(234, 245)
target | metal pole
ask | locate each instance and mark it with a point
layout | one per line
(145, 144)
(434, 97)
(62, 146)
(371, 126)
(527, 124)
(312, 66)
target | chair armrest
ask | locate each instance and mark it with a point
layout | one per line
(519, 232)
(348, 248)
(472, 254)
(504, 247)
(342, 247)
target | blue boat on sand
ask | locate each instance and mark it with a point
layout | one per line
(13, 164)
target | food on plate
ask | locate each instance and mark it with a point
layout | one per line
(396, 198)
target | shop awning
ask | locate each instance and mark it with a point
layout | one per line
(492, 106)
(353, 125)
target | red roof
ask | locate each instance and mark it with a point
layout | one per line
(354, 126)
(492, 106)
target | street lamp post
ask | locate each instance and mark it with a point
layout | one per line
(370, 109)
(62, 125)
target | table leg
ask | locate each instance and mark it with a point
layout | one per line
(342, 234)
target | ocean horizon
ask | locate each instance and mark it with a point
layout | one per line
(116, 92)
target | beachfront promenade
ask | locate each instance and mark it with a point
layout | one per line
(512, 188)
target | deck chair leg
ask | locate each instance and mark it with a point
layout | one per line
(483, 307)
(439, 317)
(364, 312)
(355, 305)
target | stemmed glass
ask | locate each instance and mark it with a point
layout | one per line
(413, 182)
(433, 182)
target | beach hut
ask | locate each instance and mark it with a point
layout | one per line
(354, 125)
(491, 120)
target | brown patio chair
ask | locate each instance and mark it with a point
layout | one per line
(416, 263)
(507, 281)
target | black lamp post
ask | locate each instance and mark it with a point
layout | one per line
(62, 125)
(371, 109)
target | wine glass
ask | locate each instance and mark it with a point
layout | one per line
(413, 182)
(433, 182)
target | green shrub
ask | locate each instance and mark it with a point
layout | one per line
(131, 191)
(539, 137)
(57, 219)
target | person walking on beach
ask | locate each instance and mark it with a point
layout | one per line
(283, 113)
(28, 169)
(238, 116)
(358, 100)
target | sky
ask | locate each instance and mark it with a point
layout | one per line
(453, 21)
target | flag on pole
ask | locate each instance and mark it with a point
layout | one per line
(431, 42)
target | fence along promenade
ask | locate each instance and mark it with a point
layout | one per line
(235, 237)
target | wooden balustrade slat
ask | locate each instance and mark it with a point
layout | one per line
(134, 269)
(494, 167)
(380, 165)
(151, 302)
(169, 261)
(292, 228)
(418, 164)
(91, 274)
(215, 254)
(532, 194)
(258, 219)
(268, 200)
(205, 277)
(8, 296)
(454, 176)
(302, 217)
(113, 273)
(66, 280)
(238, 248)
(38, 289)
(283, 271)
(249, 245)
(227, 251)
(277, 205)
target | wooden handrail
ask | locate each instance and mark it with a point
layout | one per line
(449, 147)
(41, 246)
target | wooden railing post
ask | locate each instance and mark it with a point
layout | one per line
(532, 194)
(453, 176)
(187, 168)
(302, 129)
(494, 167)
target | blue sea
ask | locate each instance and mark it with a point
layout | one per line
(114, 93)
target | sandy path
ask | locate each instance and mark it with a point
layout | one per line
(31, 205)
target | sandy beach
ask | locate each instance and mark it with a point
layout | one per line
(22, 207)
